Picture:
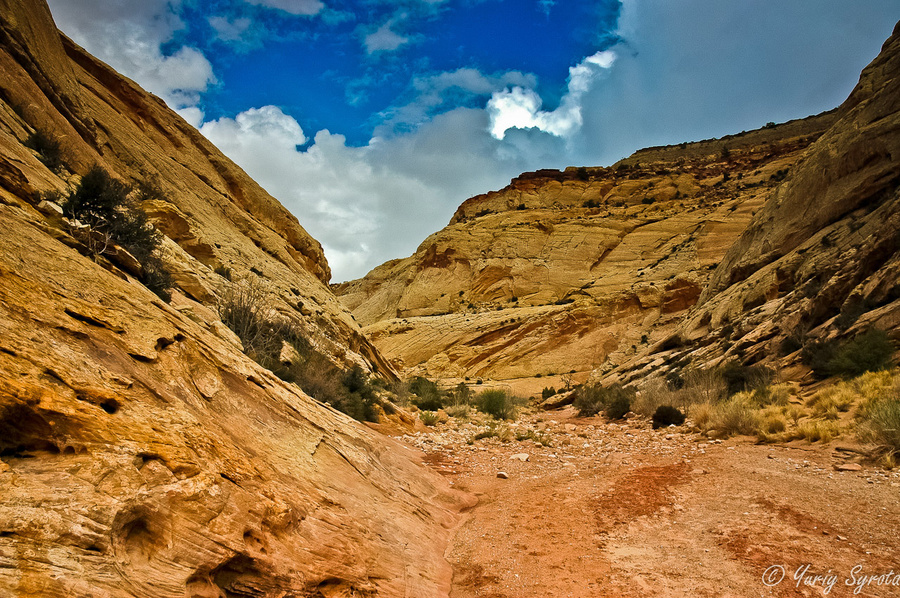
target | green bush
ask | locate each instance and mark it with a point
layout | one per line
(614, 401)
(548, 392)
(740, 378)
(429, 418)
(48, 150)
(426, 394)
(870, 351)
(665, 416)
(103, 203)
(247, 309)
(497, 403)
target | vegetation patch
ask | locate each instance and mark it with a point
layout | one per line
(614, 401)
(279, 345)
(114, 217)
(869, 351)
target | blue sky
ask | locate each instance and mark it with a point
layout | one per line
(373, 120)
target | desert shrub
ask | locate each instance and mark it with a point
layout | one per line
(497, 403)
(429, 418)
(881, 426)
(103, 203)
(772, 422)
(701, 414)
(735, 416)
(870, 351)
(461, 394)
(739, 378)
(247, 308)
(426, 394)
(548, 392)
(614, 401)
(867, 352)
(666, 415)
(764, 396)
(460, 411)
(48, 150)
(817, 430)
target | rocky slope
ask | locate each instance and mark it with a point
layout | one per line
(821, 259)
(564, 271)
(141, 453)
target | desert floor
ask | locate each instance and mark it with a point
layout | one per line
(618, 509)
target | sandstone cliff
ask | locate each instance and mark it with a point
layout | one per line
(566, 271)
(141, 453)
(821, 259)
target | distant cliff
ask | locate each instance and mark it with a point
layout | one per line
(571, 270)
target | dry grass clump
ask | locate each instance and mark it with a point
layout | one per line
(878, 416)
(817, 430)
(737, 415)
(461, 411)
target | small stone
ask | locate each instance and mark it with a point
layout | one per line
(523, 457)
(848, 467)
(841, 539)
(502, 475)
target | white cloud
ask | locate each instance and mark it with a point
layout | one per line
(452, 88)
(372, 203)
(230, 30)
(294, 7)
(128, 37)
(384, 39)
(520, 108)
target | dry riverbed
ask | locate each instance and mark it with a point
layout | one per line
(618, 509)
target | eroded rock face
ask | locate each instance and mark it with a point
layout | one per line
(821, 259)
(141, 453)
(566, 271)
(214, 214)
(144, 455)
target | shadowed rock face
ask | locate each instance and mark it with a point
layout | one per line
(141, 453)
(570, 270)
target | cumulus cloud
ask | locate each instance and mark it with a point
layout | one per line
(294, 7)
(384, 39)
(430, 93)
(230, 30)
(372, 203)
(129, 37)
(520, 108)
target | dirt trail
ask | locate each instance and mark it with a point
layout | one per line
(621, 510)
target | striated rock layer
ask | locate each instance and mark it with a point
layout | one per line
(821, 259)
(566, 271)
(141, 453)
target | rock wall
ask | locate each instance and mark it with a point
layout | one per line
(566, 271)
(821, 259)
(141, 453)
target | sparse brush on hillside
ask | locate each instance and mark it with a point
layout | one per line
(48, 150)
(113, 218)
(247, 308)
